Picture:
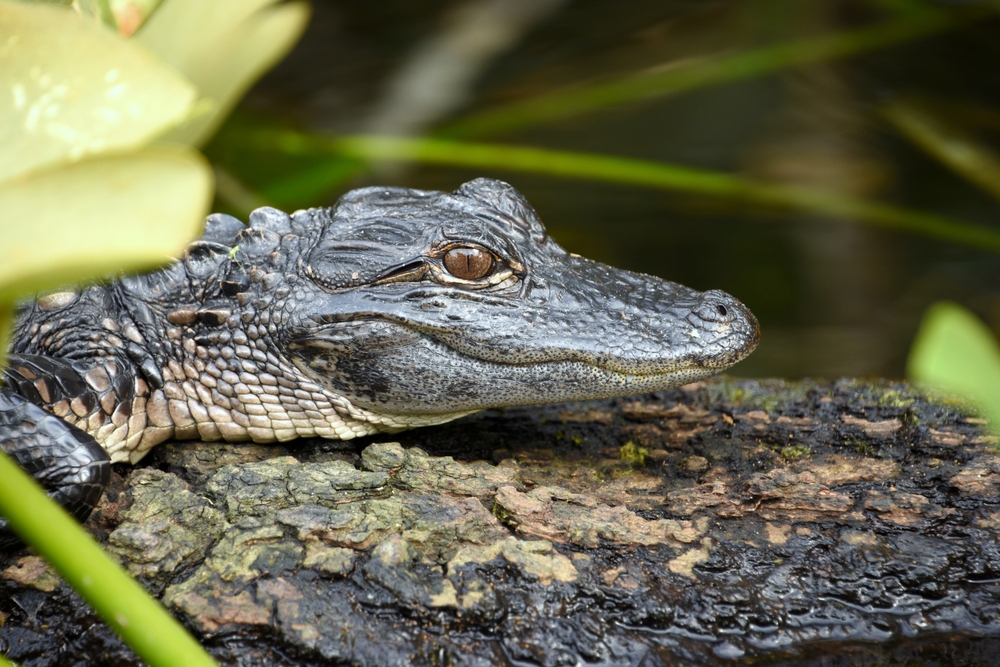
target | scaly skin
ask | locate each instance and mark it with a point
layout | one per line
(395, 309)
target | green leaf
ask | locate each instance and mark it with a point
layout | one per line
(70, 88)
(241, 39)
(956, 353)
(100, 216)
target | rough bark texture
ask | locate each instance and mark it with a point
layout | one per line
(725, 522)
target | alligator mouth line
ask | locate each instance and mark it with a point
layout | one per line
(663, 366)
(651, 371)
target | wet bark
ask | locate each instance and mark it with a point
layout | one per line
(784, 523)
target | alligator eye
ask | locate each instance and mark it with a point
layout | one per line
(468, 263)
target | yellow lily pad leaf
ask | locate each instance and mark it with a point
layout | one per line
(99, 217)
(955, 352)
(241, 39)
(70, 88)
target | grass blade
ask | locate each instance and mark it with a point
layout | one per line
(700, 73)
(951, 147)
(629, 171)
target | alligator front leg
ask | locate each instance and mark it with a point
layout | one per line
(67, 462)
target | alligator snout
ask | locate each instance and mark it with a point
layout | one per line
(721, 308)
(736, 329)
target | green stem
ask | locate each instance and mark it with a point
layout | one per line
(699, 73)
(156, 636)
(630, 171)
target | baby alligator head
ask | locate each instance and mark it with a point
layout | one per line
(425, 303)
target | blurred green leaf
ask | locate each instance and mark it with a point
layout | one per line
(107, 214)
(956, 353)
(72, 88)
(241, 39)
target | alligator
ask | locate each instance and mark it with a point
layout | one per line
(394, 309)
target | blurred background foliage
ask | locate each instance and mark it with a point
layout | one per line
(832, 163)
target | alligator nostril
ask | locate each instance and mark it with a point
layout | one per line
(717, 306)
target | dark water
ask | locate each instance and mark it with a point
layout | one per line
(834, 297)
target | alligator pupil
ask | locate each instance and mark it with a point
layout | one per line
(468, 263)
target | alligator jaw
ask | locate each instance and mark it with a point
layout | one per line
(391, 365)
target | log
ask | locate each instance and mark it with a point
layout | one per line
(793, 523)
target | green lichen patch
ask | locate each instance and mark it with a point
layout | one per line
(536, 558)
(219, 593)
(396, 567)
(331, 561)
(167, 526)
(415, 470)
(258, 489)
(793, 452)
(355, 525)
(633, 454)
(252, 549)
(198, 461)
(436, 524)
